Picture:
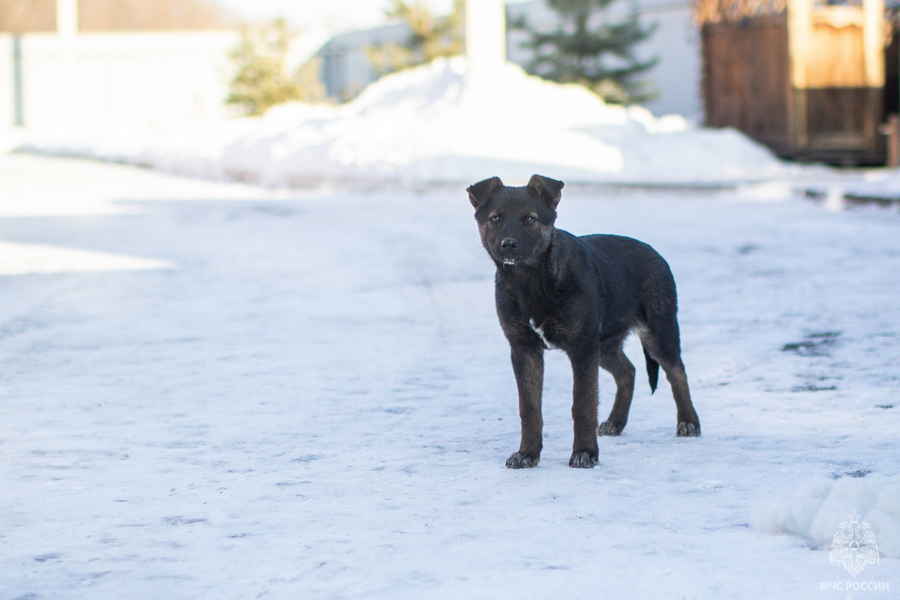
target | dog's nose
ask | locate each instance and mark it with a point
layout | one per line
(508, 243)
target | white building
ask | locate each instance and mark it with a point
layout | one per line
(346, 68)
(133, 79)
(676, 43)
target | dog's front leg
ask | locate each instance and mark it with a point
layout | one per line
(584, 410)
(528, 365)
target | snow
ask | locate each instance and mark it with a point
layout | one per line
(429, 125)
(839, 188)
(22, 259)
(816, 510)
(882, 183)
(311, 398)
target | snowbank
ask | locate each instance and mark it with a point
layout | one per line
(429, 125)
(816, 511)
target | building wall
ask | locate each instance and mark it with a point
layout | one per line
(676, 42)
(346, 68)
(133, 78)
(678, 75)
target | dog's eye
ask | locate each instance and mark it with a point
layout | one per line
(529, 220)
(495, 219)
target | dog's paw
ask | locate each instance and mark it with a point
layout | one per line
(583, 459)
(688, 429)
(519, 460)
(610, 428)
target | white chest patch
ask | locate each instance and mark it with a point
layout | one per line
(540, 332)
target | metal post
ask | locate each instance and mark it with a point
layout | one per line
(485, 35)
(18, 91)
(67, 17)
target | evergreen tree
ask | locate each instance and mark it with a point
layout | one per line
(590, 48)
(262, 78)
(430, 36)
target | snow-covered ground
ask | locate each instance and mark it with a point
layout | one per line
(219, 391)
(876, 183)
(432, 124)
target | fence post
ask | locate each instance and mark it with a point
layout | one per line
(799, 28)
(67, 18)
(892, 130)
(485, 36)
(18, 82)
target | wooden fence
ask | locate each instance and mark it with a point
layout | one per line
(807, 80)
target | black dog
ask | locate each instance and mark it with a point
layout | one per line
(582, 295)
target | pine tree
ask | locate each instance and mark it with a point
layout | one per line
(262, 78)
(588, 47)
(430, 36)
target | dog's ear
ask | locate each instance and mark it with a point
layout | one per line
(481, 191)
(547, 189)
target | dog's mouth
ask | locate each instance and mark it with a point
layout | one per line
(509, 261)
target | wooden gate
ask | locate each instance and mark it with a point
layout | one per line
(804, 77)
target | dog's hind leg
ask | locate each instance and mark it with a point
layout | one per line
(613, 359)
(661, 341)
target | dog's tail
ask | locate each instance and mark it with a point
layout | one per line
(652, 370)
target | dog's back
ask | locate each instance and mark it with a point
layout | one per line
(640, 282)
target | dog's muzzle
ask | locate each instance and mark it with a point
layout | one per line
(509, 244)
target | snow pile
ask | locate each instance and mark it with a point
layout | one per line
(816, 511)
(430, 125)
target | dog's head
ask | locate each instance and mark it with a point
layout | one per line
(516, 223)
